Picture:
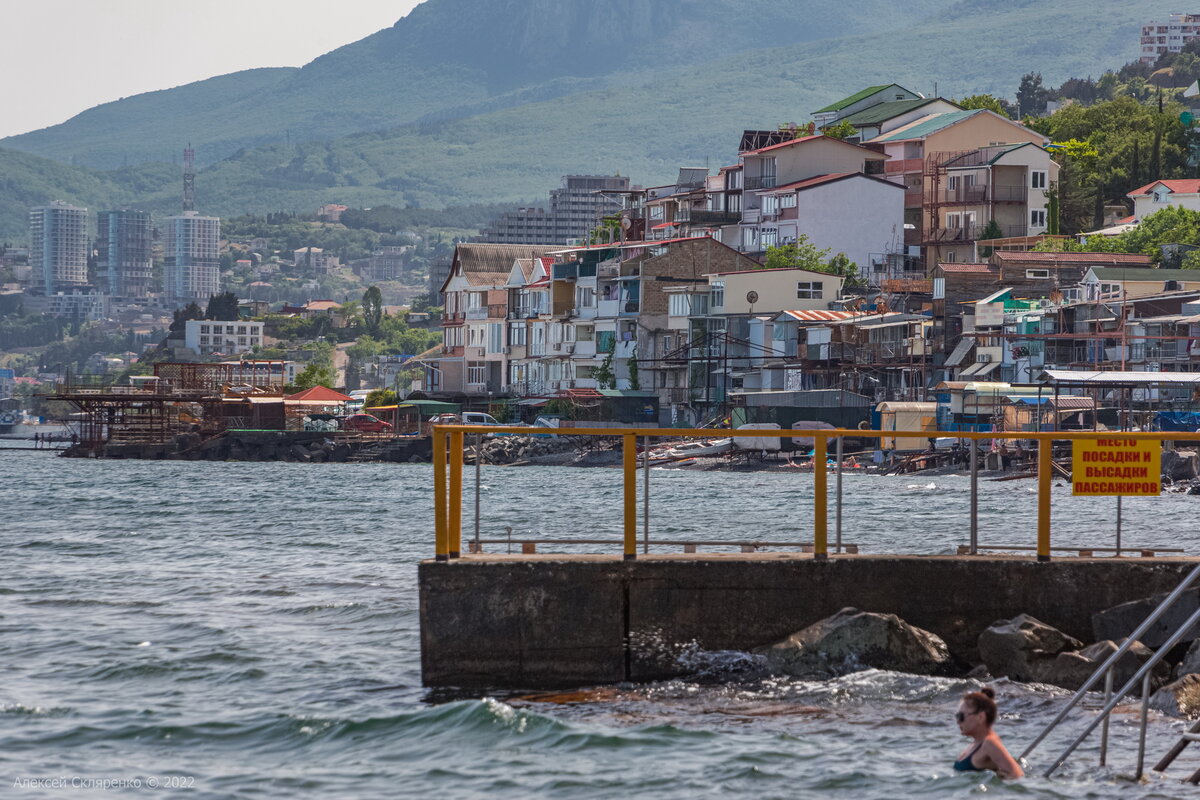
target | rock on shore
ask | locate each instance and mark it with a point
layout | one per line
(853, 640)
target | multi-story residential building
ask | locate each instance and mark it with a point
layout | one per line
(385, 264)
(125, 250)
(962, 169)
(883, 117)
(574, 210)
(1169, 36)
(314, 259)
(1181, 193)
(214, 337)
(58, 246)
(860, 101)
(81, 302)
(472, 360)
(191, 262)
(774, 175)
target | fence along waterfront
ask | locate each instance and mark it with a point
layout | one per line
(448, 452)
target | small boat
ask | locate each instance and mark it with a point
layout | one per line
(703, 448)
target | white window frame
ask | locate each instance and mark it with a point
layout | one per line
(716, 294)
(787, 200)
(1037, 179)
(809, 290)
(1037, 217)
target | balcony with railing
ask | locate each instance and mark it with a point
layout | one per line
(477, 313)
(703, 216)
(903, 165)
(752, 216)
(760, 182)
(497, 310)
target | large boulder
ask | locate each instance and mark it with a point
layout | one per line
(1071, 670)
(1180, 465)
(1121, 620)
(1191, 661)
(853, 640)
(1023, 648)
(1178, 699)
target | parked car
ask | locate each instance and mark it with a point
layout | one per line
(366, 423)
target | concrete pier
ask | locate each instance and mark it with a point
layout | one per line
(545, 621)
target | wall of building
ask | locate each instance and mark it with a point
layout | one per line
(856, 216)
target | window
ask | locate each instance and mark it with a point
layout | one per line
(1037, 218)
(810, 290)
(241, 330)
(203, 340)
(953, 220)
(585, 333)
(204, 329)
(770, 204)
(939, 288)
(242, 341)
(585, 297)
(229, 329)
(516, 334)
(1037, 273)
(1161, 194)
(717, 294)
(495, 337)
(770, 237)
(733, 202)
(962, 181)
(656, 212)
(678, 306)
(476, 372)
(668, 342)
(787, 201)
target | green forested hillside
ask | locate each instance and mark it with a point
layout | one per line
(639, 87)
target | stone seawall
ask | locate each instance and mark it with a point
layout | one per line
(554, 621)
(298, 446)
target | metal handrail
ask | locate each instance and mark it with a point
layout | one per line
(1111, 661)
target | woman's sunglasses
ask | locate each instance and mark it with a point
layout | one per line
(959, 716)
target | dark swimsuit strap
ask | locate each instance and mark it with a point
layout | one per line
(971, 755)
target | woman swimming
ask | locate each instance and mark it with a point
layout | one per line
(975, 717)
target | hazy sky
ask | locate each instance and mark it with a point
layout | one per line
(59, 58)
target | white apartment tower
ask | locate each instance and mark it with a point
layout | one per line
(191, 257)
(1168, 37)
(58, 245)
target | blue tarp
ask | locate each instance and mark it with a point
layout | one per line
(1177, 421)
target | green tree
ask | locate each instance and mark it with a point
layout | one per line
(1031, 95)
(316, 375)
(634, 382)
(372, 310)
(380, 397)
(222, 307)
(986, 101)
(603, 374)
(842, 130)
(801, 254)
(990, 231)
(842, 265)
(182, 315)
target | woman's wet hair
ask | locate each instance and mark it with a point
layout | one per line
(984, 700)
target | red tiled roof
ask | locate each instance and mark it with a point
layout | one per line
(1098, 259)
(663, 225)
(979, 269)
(1180, 186)
(322, 394)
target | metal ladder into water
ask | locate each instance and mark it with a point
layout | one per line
(1112, 700)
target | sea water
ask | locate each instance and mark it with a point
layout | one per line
(251, 631)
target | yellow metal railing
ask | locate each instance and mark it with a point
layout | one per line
(448, 467)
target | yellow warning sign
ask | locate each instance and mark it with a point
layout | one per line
(1115, 467)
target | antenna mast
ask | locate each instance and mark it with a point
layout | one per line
(189, 178)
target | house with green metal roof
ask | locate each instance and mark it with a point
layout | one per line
(879, 119)
(862, 100)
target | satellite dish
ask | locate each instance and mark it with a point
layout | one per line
(752, 297)
(626, 223)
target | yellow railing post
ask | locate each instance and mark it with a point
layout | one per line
(442, 548)
(1045, 475)
(820, 498)
(630, 497)
(456, 475)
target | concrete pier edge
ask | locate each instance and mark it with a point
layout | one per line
(546, 621)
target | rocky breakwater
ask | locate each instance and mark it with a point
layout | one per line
(527, 450)
(1022, 648)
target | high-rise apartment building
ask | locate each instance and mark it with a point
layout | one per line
(58, 246)
(124, 245)
(1169, 36)
(574, 210)
(191, 257)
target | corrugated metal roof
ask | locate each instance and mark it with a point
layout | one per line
(1135, 275)
(821, 315)
(885, 111)
(976, 269)
(854, 98)
(485, 264)
(927, 126)
(1093, 259)
(1117, 378)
